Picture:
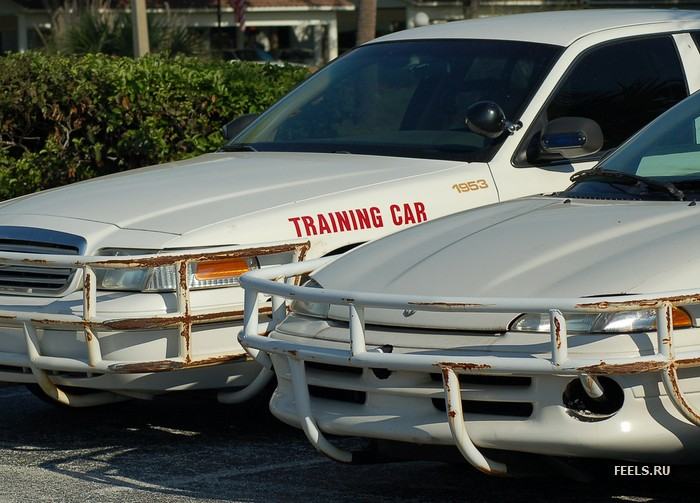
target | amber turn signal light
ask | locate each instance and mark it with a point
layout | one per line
(217, 269)
(681, 318)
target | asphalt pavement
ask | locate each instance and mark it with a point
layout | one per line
(192, 449)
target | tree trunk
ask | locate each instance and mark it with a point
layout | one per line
(366, 21)
(140, 28)
(470, 9)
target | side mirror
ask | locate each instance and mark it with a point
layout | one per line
(231, 130)
(571, 137)
(487, 119)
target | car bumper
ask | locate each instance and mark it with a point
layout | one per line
(129, 344)
(337, 378)
(410, 407)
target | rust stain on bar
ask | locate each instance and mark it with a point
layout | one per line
(160, 322)
(170, 365)
(86, 292)
(463, 366)
(675, 388)
(686, 299)
(303, 249)
(186, 334)
(168, 260)
(687, 362)
(34, 261)
(186, 323)
(445, 378)
(446, 304)
(156, 261)
(56, 322)
(603, 368)
(145, 323)
(557, 332)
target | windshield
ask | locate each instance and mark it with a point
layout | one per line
(661, 162)
(406, 99)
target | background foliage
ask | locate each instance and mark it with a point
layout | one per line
(86, 26)
(69, 118)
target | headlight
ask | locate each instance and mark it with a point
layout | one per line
(200, 275)
(310, 308)
(607, 323)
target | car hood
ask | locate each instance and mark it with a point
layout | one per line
(531, 247)
(184, 196)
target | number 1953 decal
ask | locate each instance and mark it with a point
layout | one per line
(470, 186)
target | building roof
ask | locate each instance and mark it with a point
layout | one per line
(207, 4)
(557, 27)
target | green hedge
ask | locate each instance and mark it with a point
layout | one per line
(68, 118)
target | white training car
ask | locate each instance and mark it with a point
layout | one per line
(127, 286)
(526, 326)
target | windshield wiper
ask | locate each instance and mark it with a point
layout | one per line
(667, 187)
(240, 147)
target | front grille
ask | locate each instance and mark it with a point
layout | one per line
(337, 394)
(37, 280)
(341, 369)
(513, 409)
(488, 380)
(492, 408)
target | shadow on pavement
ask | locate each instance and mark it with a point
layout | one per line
(193, 448)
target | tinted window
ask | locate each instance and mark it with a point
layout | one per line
(661, 162)
(404, 99)
(696, 38)
(669, 149)
(622, 86)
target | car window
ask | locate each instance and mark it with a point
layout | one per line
(669, 149)
(405, 99)
(622, 86)
(696, 38)
(661, 162)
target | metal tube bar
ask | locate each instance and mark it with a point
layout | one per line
(557, 329)
(89, 313)
(251, 327)
(279, 309)
(53, 391)
(455, 418)
(183, 309)
(669, 377)
(260, 280)
(357, 330)
(263, 378)
(77, 322)
(664, 330)
(308, 424)
(495, 365)
(152, 260)
(591, 385)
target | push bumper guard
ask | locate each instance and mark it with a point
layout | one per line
(90, 321)
(275, 282)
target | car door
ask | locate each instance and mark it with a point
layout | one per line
(621, 85)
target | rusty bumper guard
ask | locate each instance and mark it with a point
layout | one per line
(276, 282)
(90, 321)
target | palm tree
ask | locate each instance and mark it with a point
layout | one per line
(366, 21)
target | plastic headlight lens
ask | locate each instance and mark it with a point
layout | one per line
(619, 322)
(310, 308)
(206, 274)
